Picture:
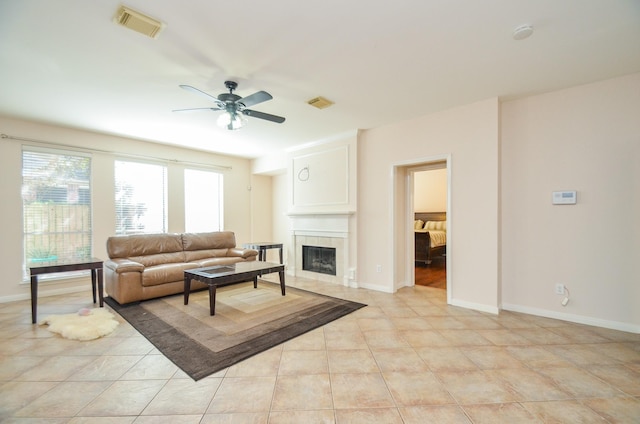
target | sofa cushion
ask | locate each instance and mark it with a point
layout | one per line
(143, 245)
(160, 258)
(215, 240)
(165, 273)
(195, 255)
(218, 261)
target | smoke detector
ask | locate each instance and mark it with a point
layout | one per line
(320, 102)
(138, 22)
(522, 32)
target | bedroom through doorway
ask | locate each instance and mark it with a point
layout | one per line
(429, 206)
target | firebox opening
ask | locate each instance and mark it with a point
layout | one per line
(319, 259)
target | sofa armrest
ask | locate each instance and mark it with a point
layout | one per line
(242, 253)
(120, 265)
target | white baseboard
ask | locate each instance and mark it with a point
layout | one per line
(375, 287)
(579, 319)
(475, 306)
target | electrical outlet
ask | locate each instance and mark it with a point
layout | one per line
(559, 288)
(378, 268)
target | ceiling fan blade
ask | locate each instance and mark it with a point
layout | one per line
(262, 115)
(199, 92)
(196, 108)
(255, 98)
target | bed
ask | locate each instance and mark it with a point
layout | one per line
(430, 230)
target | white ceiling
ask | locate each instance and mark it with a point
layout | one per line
(66, 62)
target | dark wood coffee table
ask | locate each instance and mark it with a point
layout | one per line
(223, 275)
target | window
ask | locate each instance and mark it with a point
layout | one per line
(141, 198)
(202, 201)
(56, 205)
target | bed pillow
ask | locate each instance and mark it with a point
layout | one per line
(436, 225)
(418, 224)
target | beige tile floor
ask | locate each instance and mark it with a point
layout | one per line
(406, 358)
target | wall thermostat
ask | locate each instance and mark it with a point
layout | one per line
(564, 198)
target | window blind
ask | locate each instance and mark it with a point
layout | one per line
(56, 202)
(203, 205)
(140, 198)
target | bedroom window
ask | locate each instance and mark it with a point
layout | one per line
(203, 206)
(56, 205)
(141, 198)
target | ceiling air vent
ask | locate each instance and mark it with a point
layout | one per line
(138, 22)
(320, 102)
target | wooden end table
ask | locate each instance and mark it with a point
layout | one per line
(223, 275)
(262, 246)
(50, 267)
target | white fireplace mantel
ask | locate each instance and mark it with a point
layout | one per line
(331, 224)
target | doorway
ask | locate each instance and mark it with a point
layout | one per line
(408, 178)
(430, 210)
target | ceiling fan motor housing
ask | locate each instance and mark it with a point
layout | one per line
(229, 99)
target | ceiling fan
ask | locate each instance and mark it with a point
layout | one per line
(234, 106)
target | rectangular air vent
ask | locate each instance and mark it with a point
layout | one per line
(320, 102)
(138, 22)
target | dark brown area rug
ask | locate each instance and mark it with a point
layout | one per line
(247, 321)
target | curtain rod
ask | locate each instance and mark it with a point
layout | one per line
(129, 155)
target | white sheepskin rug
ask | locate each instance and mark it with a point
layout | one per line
(87, 324)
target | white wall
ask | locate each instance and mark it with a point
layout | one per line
(237, 201)
(469, 134)
(281, 226)
(430, 191)
(587, 139)
(262, 218)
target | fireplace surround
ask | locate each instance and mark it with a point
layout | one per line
(328, 231)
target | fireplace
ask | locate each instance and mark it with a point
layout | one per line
(319, 259)
(330, 233)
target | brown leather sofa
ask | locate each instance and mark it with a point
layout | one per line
(146, 266)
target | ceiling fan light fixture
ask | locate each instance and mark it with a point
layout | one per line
(231, 121)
